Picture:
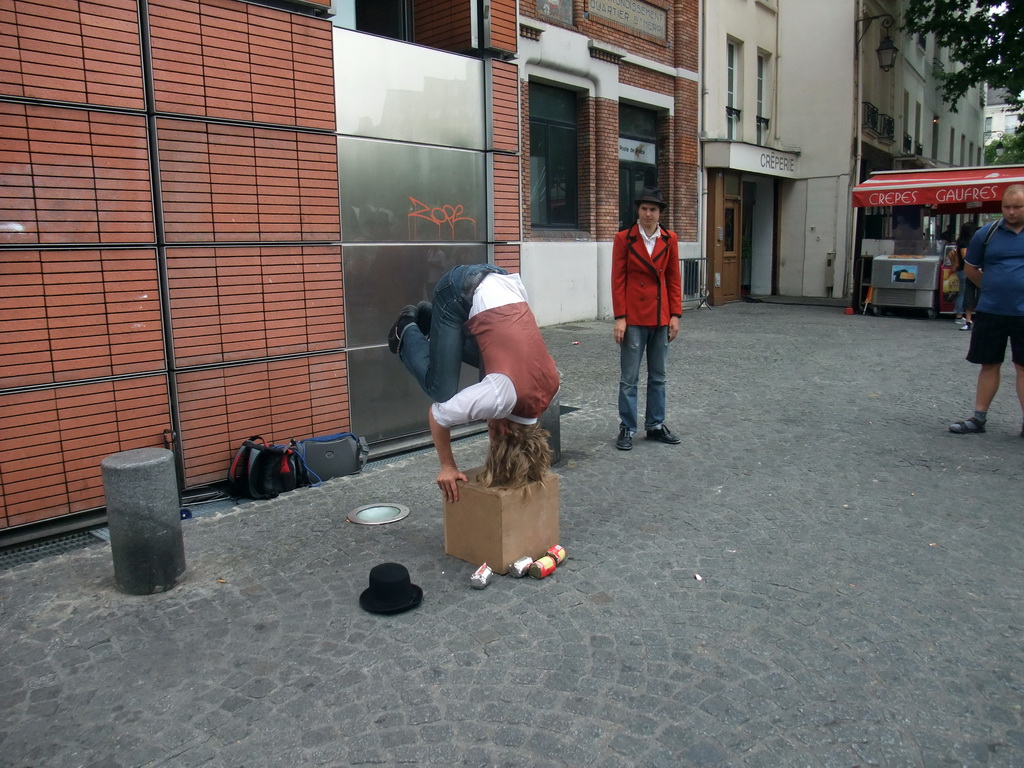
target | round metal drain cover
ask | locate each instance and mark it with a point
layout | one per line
(377, 514)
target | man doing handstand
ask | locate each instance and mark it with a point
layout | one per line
(480, 316)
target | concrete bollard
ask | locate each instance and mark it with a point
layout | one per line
(144, 518)
(551, 420)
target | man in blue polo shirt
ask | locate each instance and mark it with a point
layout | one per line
(999, 316)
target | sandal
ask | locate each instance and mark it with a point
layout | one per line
(967, 426)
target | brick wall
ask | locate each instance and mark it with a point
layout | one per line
(504, 24)
(206, 299)
(598, 123)
(231, 183)
(255, 332)
(506, 157)
(60, 53)
(73, 176)
(597, 28)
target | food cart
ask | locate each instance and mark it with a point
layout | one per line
(916, 272)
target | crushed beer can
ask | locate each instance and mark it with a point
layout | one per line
(557, 552)
(520, 567)
(481, 577)
(543, 567)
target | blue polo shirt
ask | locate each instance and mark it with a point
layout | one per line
(1002, 261)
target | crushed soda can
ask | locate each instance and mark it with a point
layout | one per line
(481, 577)
(520, 567)
(557, 552)
(543, 567)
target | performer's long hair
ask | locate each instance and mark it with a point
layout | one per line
(519, 457)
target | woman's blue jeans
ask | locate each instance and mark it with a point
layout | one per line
(958, 307)
(437, 362)
(641, 339)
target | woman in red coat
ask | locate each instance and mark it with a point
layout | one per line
(647, 302)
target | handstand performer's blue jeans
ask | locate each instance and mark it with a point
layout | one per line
(436, 362)
(641, 339)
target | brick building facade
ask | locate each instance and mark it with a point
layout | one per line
(630, 69)
(208, 217)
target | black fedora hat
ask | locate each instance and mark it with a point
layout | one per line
(651, 195)
(390, 590)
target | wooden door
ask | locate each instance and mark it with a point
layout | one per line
(731, 245)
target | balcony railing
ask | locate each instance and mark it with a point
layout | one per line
(878, 123)
(887, 127)
(870, 116)
(762, 128)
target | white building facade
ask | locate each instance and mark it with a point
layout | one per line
(797, 110)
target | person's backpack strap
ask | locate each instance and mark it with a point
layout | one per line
(988, 235)
(306, 475)
(238, 471)
(273, 470)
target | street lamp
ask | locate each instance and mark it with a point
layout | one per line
(887, 50)
(886, 53)
(1000, 149)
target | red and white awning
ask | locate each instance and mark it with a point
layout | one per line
(950, 190)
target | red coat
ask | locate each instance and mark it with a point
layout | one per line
(646, 290)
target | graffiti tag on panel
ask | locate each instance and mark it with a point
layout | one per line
(446, 221)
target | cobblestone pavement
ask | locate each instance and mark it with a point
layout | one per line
(860, 600)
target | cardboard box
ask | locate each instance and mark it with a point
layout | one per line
(497, 526)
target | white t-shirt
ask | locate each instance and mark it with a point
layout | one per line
(494, 396)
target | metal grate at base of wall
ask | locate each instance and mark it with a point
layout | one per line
(37, 550)
(199, 505)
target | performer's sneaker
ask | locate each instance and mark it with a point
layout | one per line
(405, 318)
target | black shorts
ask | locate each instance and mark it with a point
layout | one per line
(970, 295)
(989, 336)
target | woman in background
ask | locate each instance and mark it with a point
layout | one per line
(967, 298)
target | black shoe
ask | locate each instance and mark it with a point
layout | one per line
(625, 442)
(424, 310)
(662, 435)
(407, 316)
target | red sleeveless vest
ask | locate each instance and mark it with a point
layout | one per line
(510, 343)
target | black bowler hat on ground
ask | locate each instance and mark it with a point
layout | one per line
(390, 590)
(651, 195)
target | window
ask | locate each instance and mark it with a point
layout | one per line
(908, 140)
(638, 157)
(732, 98)
(553, 164)
(762, 94)
(917, 130)
(387, 18)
